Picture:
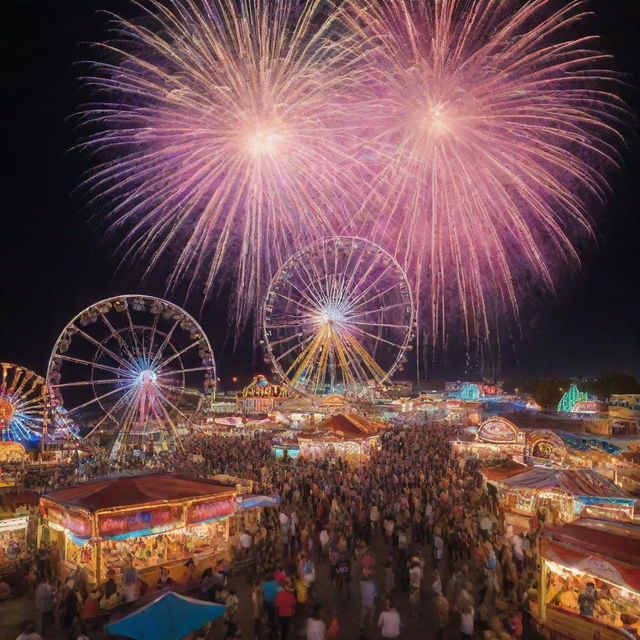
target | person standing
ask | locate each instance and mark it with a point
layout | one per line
(441, 609)
(415, 582)
(466, 622)
(44, 595)
(368, 595)
(316, 628)
(256, 606)
(285, 606)
(270, 590)
(389, 621)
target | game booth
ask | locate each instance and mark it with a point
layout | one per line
(496, 438)
(606, 554)
(344, 435)
(14, 541)
(161, 520)
(563, 495)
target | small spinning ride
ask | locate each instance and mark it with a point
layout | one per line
(135, 366)
(23, 401)
(338, 317)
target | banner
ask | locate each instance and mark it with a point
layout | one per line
(115, 524)
(72, 520)
(209, 510)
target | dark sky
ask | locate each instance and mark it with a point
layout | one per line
(54, 264)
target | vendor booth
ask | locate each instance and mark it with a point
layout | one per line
(563, 495)
(496, 438)
(605, 554)
(157, 519)
(13, 543)
(344, 435)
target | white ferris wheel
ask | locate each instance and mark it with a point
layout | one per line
(134, 365)
(338, 317)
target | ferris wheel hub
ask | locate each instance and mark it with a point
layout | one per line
(6, 411)
(147, 377)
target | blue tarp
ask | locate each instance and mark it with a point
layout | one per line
(169, 617)
(250, 501)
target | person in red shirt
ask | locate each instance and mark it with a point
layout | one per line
(285, 606)
(280, 577)
(515, 623)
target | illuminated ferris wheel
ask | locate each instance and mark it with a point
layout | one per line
(23, 402)
(338, 317)
(135, 365)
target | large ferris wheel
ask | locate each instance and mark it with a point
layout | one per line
(338, 317)
(134, 365)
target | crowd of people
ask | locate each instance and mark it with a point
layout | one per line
(410, 540)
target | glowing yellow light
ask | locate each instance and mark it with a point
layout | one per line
(6, 411)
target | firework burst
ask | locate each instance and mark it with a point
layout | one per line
(490, 130)
(223, 136)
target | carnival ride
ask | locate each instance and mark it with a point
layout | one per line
(23, 401)
(133, 365)
(338, 317)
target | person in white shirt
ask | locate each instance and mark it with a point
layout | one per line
(29, 632)
(245, 544)
(389, 621)
(316, 629)
(324, 540)
(466, 623)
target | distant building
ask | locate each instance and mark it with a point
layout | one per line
(472, 390)
(260, 396)
(629, 400)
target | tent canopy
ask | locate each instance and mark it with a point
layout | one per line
(504, 470)
(169, 617)
(578, 482)
(135, 490)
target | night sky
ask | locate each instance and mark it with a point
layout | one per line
(54, 263)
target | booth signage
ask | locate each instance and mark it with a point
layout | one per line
(114, 524)
(13, 524)
(70, 520)
(202, 511)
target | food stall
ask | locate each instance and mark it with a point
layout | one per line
(564, 495)
(344, 435)
(496, 438)
(606, 554)
(13, 543)
(160, 520)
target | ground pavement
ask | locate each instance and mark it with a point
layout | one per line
(346, 605)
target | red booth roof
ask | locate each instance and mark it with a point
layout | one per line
(135, 490)
(350, 424)
(505, 470)
(618, 541)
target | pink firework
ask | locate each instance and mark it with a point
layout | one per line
(224, 137)
(490, 130)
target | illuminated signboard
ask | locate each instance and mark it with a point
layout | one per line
(115, 524)
(76, 522)
(209, 510)
(13, 524)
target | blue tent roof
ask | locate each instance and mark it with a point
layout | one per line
(169, 617)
